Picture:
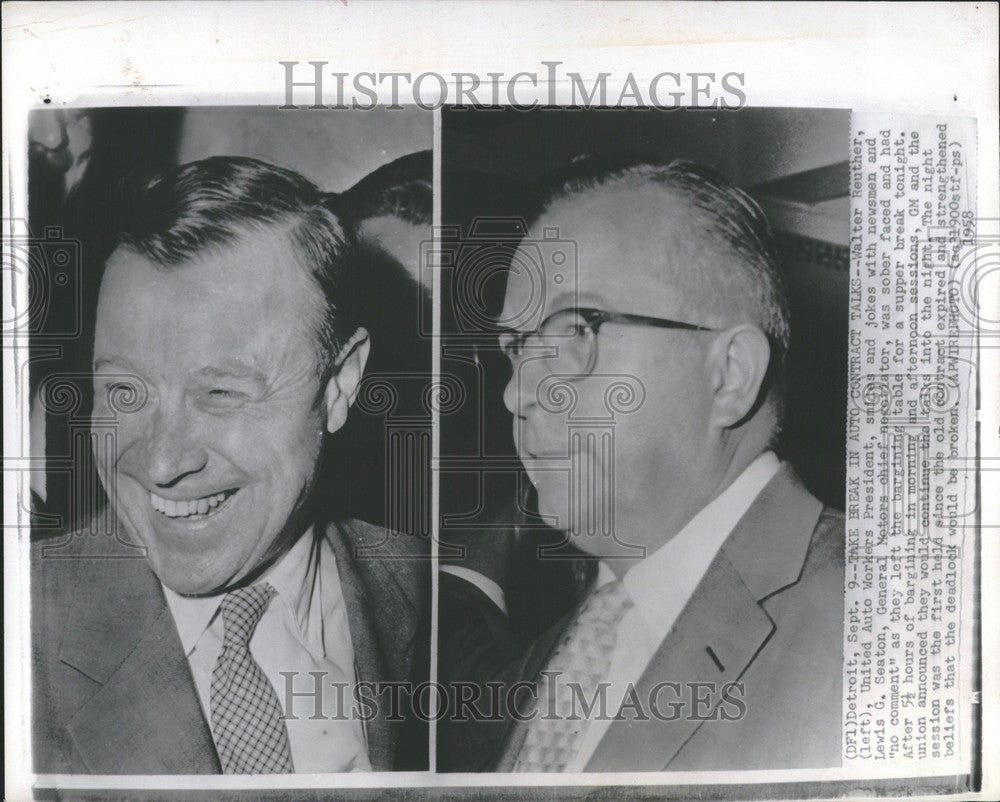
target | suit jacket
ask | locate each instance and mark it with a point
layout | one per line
(113, 692)
(768, 615)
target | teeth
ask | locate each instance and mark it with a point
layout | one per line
(182, 509)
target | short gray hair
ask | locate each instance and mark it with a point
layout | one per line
(177, 215)
(731, 253)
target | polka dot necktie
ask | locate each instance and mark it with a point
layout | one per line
(582, 658)
(246, 717)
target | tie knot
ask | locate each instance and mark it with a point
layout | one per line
(242, 610)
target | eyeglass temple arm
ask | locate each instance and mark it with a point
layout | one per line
(657, 322)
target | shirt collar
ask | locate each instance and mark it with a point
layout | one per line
(192, 615)
(294, 577)
(683, 560)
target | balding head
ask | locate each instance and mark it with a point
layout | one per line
(713, 240)
(672, 244)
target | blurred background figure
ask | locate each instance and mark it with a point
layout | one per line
(59, 147)
(391, 210)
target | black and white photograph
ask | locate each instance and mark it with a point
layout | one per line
(644, 538)
(228, 562)
(520, 401)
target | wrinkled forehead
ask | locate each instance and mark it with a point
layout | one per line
(617, 248)
(240, 285)
(259, 263)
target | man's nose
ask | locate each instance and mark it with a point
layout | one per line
(520, 393)
(172, 450)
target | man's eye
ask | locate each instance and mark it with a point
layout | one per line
(570, 326)
(224, 395)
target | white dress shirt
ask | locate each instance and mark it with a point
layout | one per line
(661, 585)
(304, 629)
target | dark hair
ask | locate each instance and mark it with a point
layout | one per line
(183, 212)
(730, 253)
(402, 188)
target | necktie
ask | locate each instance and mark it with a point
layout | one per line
(246, 718)
(582, 658)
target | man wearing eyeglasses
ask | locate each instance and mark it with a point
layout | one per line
(646, 394)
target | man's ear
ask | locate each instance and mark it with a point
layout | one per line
(342, 388)
(737, 360)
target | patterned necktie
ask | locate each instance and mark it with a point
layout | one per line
(246, 717)
(583, 658)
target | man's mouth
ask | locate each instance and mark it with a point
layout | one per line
(203, 507)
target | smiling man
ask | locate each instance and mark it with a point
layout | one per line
(254, 635)
(646, 395)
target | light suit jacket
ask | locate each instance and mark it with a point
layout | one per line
(113, 692)
(768, 614)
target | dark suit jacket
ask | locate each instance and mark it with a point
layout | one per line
(113, 692)
(768, 614)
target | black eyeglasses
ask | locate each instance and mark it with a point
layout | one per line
(572, 333)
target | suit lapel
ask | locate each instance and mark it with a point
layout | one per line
(714, 639)
(145, 716)
(720, 631)
(769, 544)
(383, 628)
